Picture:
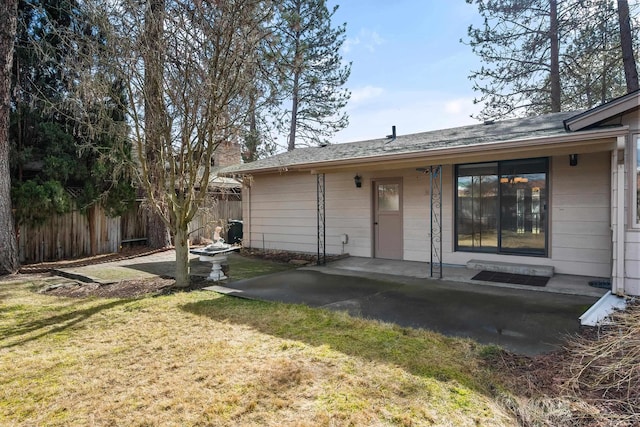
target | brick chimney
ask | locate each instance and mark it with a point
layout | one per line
(227, 154)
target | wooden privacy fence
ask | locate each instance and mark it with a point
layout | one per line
(68, 236)
(206, 220)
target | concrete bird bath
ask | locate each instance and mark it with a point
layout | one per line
(215, 253)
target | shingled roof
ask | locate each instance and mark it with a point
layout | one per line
(522, 129)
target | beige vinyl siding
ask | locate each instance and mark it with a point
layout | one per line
(348, 211)
(632, 262)
(416, 216)
(416, 210)
(448, 210)
(632, 236)
(283, 212)
(580, 241)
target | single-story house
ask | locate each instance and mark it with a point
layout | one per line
(558, 190)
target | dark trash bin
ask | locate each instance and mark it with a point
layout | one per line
(234, 235)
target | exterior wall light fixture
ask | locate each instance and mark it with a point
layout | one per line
(573, 160)
(358, 180)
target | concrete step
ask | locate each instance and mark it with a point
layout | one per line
(513, 268)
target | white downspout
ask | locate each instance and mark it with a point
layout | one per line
(617, 216)
(248, 215)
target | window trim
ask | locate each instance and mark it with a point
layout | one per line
(634, 172)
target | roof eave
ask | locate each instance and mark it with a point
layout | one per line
(569, 140)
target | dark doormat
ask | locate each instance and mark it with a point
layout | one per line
(602, 284)
(516, 279)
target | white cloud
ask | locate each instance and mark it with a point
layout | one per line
(365, 93)
(372, 39)
(349, 43)
(410, 112)
(456, 106)
(365, 38)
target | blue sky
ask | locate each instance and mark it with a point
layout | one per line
(409, 68)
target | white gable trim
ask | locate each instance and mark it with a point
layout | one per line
(604, 112)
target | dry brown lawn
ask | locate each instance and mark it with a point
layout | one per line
(203, 359)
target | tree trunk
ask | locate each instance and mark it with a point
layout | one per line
(157, 232)
(252, 141)
(294, 113)
(295, 93)
(93, 236)
(182, 256)
(554, 76)
(626, 43)
(9, 262)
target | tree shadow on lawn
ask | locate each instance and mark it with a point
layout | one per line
(240, 267)
(168, 268)
(418, 351)
(53, 324)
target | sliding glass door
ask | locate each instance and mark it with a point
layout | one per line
(523, 195)
(477, 207)
(501, 207)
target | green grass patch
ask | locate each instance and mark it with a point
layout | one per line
(241, 267)
(420, 352)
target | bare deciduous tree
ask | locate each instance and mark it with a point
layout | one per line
(196, 99)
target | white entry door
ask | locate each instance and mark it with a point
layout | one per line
(387, 221)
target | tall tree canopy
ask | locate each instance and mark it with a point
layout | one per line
(311, 71)
(62, 135)
(258, 140)
(542, 56)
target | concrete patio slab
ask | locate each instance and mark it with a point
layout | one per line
(519, 320)
(528, 320)
(559, 283)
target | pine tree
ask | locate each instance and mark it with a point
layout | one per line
(544, 56)
(311, 71)
(519, 45)
(591, 71)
